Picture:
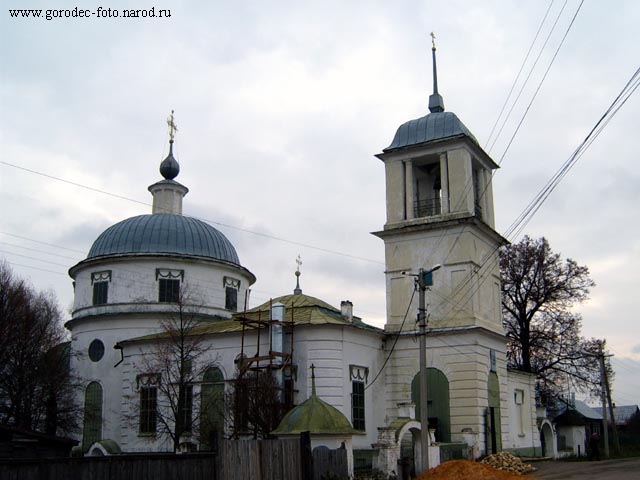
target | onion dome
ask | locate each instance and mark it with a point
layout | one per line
(315, 416)
(169, 167)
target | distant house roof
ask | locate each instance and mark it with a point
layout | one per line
(573, 412)
(622, 413)
(18, 442)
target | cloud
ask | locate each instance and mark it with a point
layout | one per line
(280, 112)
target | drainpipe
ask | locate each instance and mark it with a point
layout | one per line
(117, 346)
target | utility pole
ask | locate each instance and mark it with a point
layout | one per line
(423, 280)
(604, 401)
(614, 430)
(612, 416)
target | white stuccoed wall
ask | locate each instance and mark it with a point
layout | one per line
(133, 285)
(133, 311)
(523, 431)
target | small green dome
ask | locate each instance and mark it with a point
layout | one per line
(315, 416)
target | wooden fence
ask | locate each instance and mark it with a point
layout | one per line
(330, 464)
(236, 459)
(261, 460)
(117, 467)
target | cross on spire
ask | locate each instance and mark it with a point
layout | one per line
(433, 41)
(298, 290)
(173, 128)
(313, 379)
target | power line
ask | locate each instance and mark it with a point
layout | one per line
(42, 243)
(515, 82)
(467, 187)
(201, 283)
(529, 75)
(395, 340)
(525, 217)
(40, 251)
(226, 225)
(35, 268)
(32, 258)
(535, 94)
(522, 220)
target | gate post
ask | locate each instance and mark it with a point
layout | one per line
(306, 456)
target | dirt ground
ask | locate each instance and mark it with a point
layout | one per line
(624, 469)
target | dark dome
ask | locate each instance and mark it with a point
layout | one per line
(168, 234)
(169, 168)
(435, 126)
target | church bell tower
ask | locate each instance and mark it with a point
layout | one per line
(440, 211)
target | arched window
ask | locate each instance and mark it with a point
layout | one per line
(437, 402)
(211, 408)
(92, 426)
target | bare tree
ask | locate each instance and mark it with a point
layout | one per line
(37, 390)
(539, 290)
(176, 364)
(256, 401)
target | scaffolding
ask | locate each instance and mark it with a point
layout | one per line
(278, 360)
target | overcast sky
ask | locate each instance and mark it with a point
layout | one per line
(281, 106)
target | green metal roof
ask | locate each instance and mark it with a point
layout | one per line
(205, 328)
(315, 416)
(306, 310)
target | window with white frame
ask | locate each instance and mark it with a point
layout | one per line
(148, 388)
(169, 284)
(231, 288)
(359, 377)
(100, 284)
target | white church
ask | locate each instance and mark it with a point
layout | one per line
(440, 210)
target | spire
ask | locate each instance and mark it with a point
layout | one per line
(436, 103)
(169, 168)
(313, 380)
(298, 290)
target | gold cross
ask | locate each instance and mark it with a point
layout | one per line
(433, 40)
(173, 128)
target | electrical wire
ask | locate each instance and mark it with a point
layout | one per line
(34, 268)
(208, 286)
(213, 222)
(395, 341)
(515, 82)
(529, 75)
(468, 184)
(491, 260)
(76, 259)
(535, 94)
